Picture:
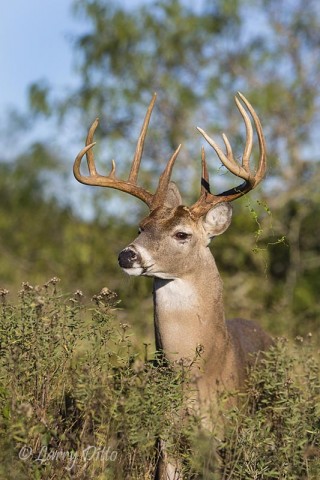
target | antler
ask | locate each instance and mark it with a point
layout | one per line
(206, 199)
(129, 186)
(251, 180)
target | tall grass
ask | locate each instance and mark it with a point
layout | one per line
(77, 401)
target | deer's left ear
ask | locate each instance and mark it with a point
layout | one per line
(218, 219)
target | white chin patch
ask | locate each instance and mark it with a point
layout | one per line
(135, 271)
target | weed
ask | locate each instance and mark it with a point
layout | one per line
(78, 401)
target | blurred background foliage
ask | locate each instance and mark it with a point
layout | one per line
(195, 57)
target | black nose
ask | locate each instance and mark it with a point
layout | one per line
(127, 258)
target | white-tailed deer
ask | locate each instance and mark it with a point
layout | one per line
(173, 247)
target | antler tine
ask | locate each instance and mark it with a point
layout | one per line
(140, 144)
(205, 193)
(228, 147)
(251, 180)
(205, 185)
(89, 155)
(94, 178)
(164, 180)
(249, 136)
(262, 167)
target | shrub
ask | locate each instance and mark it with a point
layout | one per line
(276, 435)
(78, 401)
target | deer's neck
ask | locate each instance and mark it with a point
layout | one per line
(189, 313)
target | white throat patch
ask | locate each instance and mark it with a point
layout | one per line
(175, 295)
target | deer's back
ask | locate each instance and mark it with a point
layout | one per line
(248, 339)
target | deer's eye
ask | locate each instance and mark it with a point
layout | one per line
(182, 235)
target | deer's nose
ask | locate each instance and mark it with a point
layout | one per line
(128, 257)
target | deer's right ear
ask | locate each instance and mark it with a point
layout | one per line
(218, 219)
(173, 198)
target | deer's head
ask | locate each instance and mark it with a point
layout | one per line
(173, 236)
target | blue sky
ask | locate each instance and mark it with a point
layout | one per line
(34, 45)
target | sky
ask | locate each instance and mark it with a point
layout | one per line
(35, 43)
(36, 39)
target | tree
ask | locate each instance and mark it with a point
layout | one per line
(195, 57)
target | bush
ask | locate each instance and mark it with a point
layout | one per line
(277, 433)
(78, 401)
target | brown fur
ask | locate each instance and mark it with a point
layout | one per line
(188, 301)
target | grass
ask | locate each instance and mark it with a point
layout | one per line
(78, 401)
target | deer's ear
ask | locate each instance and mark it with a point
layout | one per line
(173, 198)
(217, 219)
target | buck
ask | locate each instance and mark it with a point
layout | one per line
(173, 247)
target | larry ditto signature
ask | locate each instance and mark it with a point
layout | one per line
(49, 455)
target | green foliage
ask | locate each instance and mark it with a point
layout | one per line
(41, 238)
(277, 434)
(75, 398)
(38, 98)
(71, 377)
(195, 57)
(78, 401)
